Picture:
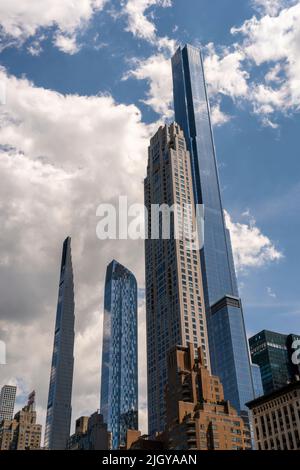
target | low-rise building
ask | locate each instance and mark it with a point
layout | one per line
(90, 434)
(22, 432)
(276, 418)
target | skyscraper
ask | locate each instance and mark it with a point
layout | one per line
(219, 280)
(272, 352)
(119, 378)
(175, 310)
(7, 401)
(61, 378)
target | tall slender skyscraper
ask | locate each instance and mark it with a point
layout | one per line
(225, 317)
(59, 408)
(7, 401)
(175, 307)
(119, 378)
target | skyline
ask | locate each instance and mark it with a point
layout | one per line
(60, 205)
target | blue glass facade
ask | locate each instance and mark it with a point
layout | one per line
(193, 115)
(231, 356)
(226, 329)
(59, 409)
(257, 382)
(119, 378)
(272, 352)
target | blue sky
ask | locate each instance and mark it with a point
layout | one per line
(117, 53)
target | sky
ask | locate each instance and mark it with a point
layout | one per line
(83, 86)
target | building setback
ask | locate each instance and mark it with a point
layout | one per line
(119, 378)
(276, 418)
(175, 308)
(7, 402)
(198, 417)
(59, 408)
(273, 353)
(192, 113)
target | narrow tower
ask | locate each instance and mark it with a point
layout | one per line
(61, 378)
(226, 330)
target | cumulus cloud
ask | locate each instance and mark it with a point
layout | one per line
(269, 41)
(56, 154)
(22, 20)
(142, 25)
(271, 7)
(66, 43)
(251, 248)
(218, 117)
(156, 70)
(272, 41)
(228, 65)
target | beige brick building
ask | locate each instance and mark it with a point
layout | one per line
(22, 432)
(276, 419)
(198, 417)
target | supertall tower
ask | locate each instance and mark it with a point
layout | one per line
(227, 338)
(119, 377)
(59, 408)
(175, 309)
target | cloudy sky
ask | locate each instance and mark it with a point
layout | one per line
(83, 85)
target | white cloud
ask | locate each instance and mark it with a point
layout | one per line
(218, 117)
(55, 160)
(251, 248)
(21, 20)
(272, 41)
(66, 43)
(271, 7)
(269, 41)
(230, 66)
(156, 70)
(142, 26)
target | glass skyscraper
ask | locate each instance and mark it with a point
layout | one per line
(119, 378)
(272, 352)
(61, 378)
(219, 280)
